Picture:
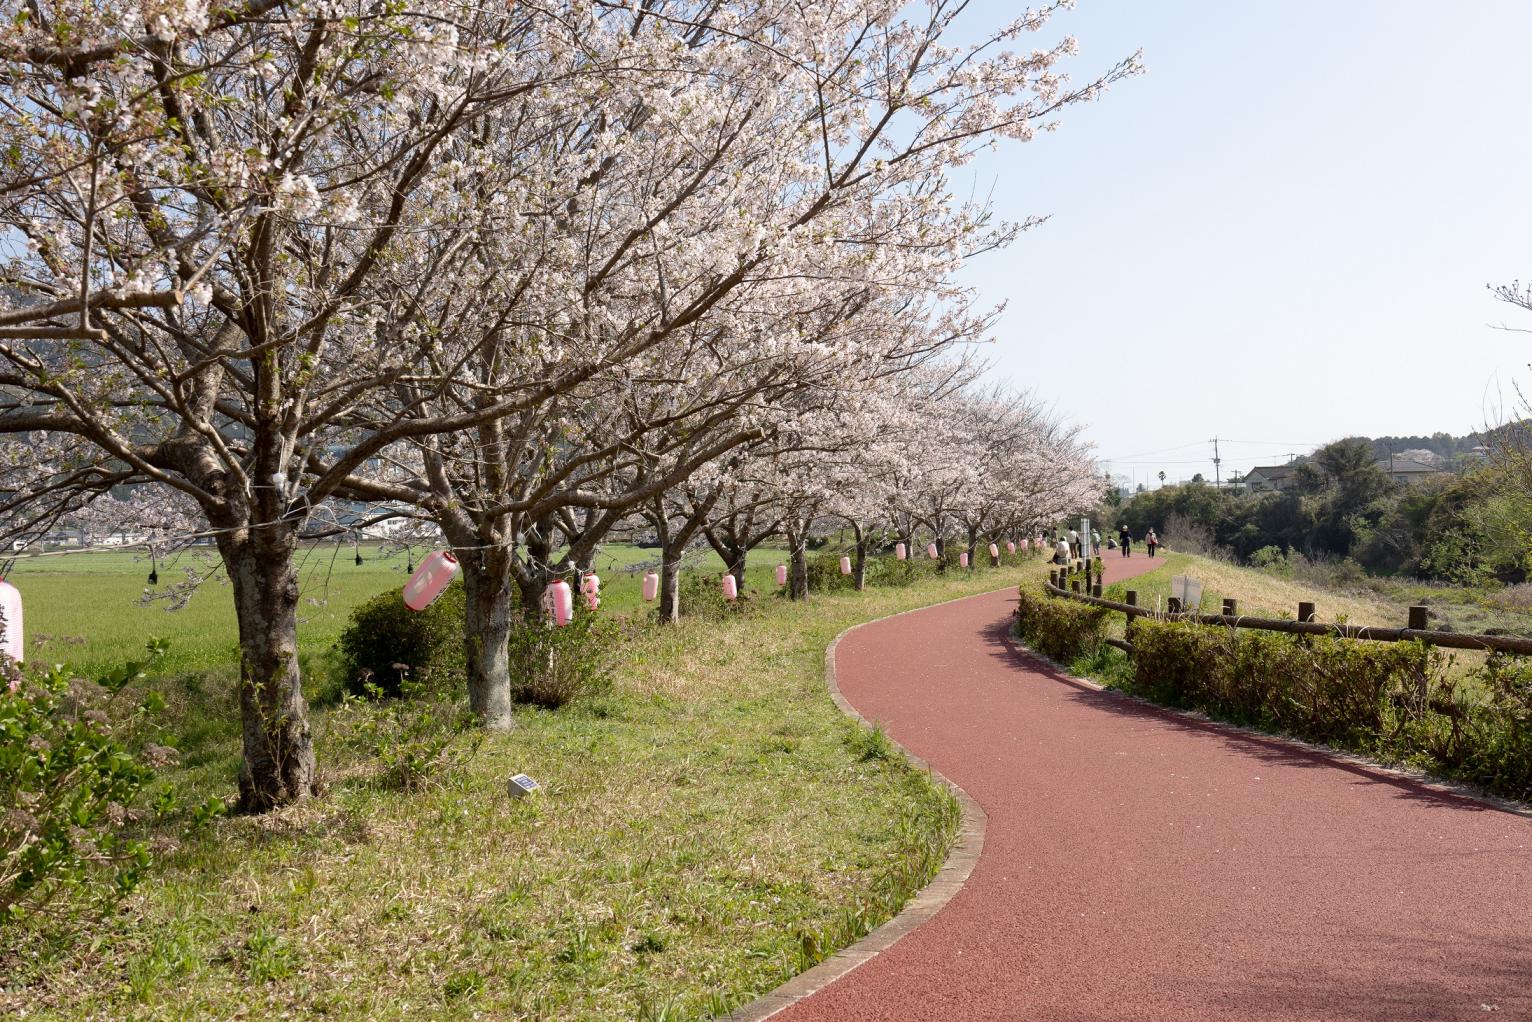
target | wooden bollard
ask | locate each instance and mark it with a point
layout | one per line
(1173, 604)
(1075, 585)
(1095, 590)
(1419, 619)
(1306, 611)
(1053, 578)
(1230, 607)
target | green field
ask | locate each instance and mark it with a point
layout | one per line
(89, 609)
(709, 826)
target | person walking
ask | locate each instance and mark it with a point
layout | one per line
(1152, 541)
(1061, 552)
(1074, 543)
(1124, 539)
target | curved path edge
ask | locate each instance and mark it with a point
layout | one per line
(929, 900)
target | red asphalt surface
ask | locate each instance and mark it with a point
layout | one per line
(1141, 865)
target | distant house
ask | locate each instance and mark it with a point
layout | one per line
(1269, 478)
(1409, 471)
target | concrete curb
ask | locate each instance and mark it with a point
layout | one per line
(931, 899)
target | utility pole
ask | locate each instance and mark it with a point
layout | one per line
(1216, 477)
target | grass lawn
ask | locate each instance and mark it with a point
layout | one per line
(1259, 594)
(709, 827)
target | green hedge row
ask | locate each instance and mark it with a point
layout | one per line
(1394, 701)
(1059, 628)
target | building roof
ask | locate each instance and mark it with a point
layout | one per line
(1407, 466)
(1271, 471)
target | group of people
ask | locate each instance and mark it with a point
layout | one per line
(1066, 544)
(1125, 541)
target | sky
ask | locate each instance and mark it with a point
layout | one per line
(1281, 234)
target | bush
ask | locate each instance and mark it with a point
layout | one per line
(1321, 688)
(825, 576)
(74, 764)
(551, 666)
(890, 571)
(1272, 560)
(1059, 628)
(702, 597)
(386, 643)
(1392, 700)
(419, 739)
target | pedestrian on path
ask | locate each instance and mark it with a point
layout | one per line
(1124, 539)
(1152, 540)
(1074, 543)
(1061, 552)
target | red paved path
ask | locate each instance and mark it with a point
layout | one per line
(1142, 866)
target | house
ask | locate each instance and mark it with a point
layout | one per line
(1269, 478)
(1409, 471)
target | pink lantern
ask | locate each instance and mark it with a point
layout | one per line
(1010, 546)
(1024, 545)
(591, 583)
(559, 599)
(730, 587)
(963, 559)
(899, 551)
(11, 633)
(931, 551)
(845, 565)
(994, 549)
(781, 574)
(651, 585)
(435, 574)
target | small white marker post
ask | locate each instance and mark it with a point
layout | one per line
(520, 786)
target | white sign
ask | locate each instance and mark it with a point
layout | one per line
(1186, 589)
(521, 786)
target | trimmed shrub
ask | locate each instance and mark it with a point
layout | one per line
(1324, 689)
(75, 763)
(552, 666)
(386, 644)
(825, 576)
(1391, 700)
(1059, 628)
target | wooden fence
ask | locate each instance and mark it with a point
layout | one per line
(1306, 622)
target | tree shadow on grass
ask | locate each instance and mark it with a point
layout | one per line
(1272, 750)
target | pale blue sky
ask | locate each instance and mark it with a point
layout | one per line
(1281, 233)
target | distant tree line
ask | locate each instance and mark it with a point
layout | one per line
(1469, 528)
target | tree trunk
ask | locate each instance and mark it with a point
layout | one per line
(487, 623)
(670, 586)
(859, 563)
(798, 571)
(279, 747)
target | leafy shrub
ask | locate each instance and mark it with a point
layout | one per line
(551, 666)
(825, 576)
(1393, 700)
(74, 766)
(890, 571)
(1059, 628)
(386, 643)
(1272, 560)
(1321, 688)
(702, 597)
(419, 739)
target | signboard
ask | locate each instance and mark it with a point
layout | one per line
(1186, 589)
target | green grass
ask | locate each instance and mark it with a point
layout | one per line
(89, 609)
(710, 826)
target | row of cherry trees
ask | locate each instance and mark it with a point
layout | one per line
(518, 271)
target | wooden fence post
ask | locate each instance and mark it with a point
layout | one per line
(1095, 590)
(1173, 605)
(1305, 611)
(1230, 607)
(1075, 585)
(1419, 619)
